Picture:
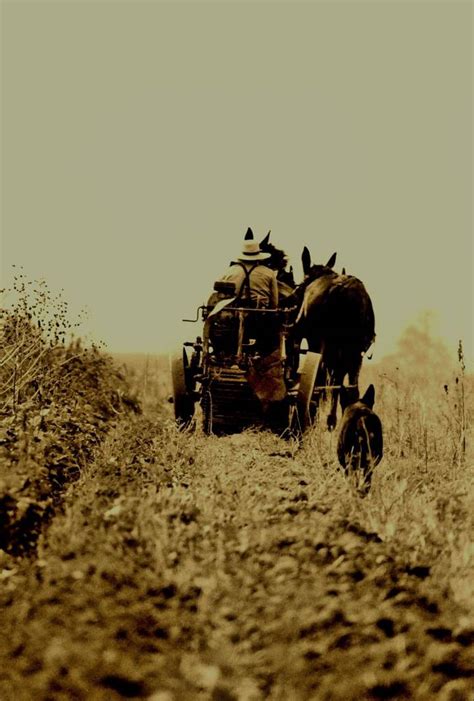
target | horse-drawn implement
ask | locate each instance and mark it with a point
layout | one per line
(224, 372)
(249, 366)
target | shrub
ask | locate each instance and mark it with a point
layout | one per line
(58, 399)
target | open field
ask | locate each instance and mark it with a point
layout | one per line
(141, 562)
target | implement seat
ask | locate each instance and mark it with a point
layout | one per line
(261, 331)
(223, 327)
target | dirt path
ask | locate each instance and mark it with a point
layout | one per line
(186, 567)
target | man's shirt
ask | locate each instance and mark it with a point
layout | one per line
(263, 283)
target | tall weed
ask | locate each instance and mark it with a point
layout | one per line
(58, 399)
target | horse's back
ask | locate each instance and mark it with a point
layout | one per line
(339, 310)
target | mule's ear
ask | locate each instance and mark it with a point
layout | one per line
(369, 397)
(343, 271)
(306, 260)
(265, 241)
(331, 261)
(343, 397)
(249, 235)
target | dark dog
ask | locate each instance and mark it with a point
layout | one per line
(360, 441)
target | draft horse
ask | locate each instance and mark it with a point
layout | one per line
(337, 319)
(278, 261)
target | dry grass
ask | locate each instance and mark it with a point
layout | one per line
(422, 500)
(240, 568)
(181, 566)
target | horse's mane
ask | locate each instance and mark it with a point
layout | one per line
(278, 258)
(278, 261)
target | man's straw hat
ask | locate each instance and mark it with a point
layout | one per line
(251, 249)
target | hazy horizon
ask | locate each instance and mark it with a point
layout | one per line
(140, 140)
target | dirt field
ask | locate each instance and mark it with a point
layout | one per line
(174, 566)
(186, 567)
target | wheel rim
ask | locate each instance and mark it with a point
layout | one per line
(183, 400)
(306, 389)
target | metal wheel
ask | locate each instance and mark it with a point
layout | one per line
(182, 399)
(206, 406)
(305, 404)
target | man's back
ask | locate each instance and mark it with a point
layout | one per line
(261, 282)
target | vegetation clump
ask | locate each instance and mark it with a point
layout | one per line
(58, 398)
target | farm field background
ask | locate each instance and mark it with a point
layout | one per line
(141, 562)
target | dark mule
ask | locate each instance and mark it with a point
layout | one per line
(278, 261)
(337, 319)
(360, 441)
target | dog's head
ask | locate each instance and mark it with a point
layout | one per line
(368, 400)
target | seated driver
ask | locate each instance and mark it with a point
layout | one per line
(255, 283)
(255, 286)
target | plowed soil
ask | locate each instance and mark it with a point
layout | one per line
(189, 567)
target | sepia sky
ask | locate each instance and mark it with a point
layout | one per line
(141, 139)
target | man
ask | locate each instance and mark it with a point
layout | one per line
(256, 287)
(255, 283)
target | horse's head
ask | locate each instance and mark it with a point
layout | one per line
(313, 272)
(278, 261)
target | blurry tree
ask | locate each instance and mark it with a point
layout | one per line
(420, 353)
